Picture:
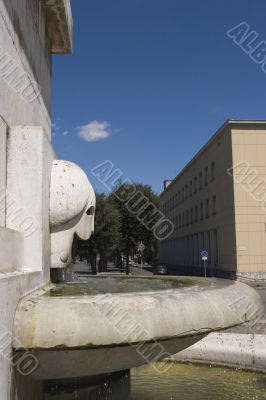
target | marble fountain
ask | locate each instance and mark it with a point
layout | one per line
(84, 328)
(99, 325)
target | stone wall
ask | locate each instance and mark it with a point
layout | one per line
(26, 155)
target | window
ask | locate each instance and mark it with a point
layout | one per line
(183, 192)
(196, 214)
(207, 208)
(183, 220)
(195, 184)
(201, 211)
(186, 192)
(213, 171)
(180, 221)
(200, 180)
(187, 217)
(175, 199)
(179, 197)
(191, 215)
(214, 205)
(190, 188)
(206, 176)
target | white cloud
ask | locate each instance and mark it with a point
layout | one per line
(65, 133)
(94, 131)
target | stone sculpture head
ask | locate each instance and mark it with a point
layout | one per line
(72, 207)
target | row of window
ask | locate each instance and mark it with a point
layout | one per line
(195, 214)
(190, 188)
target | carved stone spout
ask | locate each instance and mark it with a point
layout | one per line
(72, 206)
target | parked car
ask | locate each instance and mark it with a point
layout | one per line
(160, 270)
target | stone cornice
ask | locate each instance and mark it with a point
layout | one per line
(59, 25)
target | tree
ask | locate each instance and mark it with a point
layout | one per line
(137, 205)
(123, 219)
(106, 236)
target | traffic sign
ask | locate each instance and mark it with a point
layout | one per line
(141, 247)
(204, 254)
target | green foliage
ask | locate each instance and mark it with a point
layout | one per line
(106, 237)
(123, 220)
(138, 206)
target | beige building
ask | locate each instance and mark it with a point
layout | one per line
(218, 203)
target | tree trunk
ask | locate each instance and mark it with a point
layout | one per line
(127, 263)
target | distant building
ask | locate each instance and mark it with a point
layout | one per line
(218, 203)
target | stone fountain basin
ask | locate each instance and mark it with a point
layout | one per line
(105, 324)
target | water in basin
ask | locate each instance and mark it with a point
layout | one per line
(197, 382)
(106, 284)
(181, 382)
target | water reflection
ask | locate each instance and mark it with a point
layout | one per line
(197, 382)
(90, 286)
(112, 387)
(181, 382)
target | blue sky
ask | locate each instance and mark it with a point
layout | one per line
(152, 80)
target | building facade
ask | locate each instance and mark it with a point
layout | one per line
(31, 31)
(217, 203)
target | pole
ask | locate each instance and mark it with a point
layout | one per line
(205, 272)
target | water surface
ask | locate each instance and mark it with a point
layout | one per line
(101, 285)
(196, 382)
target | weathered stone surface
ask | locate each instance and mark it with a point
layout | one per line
(72, 205)
(95, 322)
(11, 254)
(30, 159)
(26, 154)
(59, 25)
(233, 349)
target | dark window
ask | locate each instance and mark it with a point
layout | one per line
(191, 215)
(200, 180)
(214, 205)
(183, 220)
(187, 217)
(196, 214)
(179, 197)
(175, 199)
(195, 184)
(186, 192)
(190, 188)
(183, 192)
(206, 176)
(207, 208)
(213, 171)
(201, 211)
